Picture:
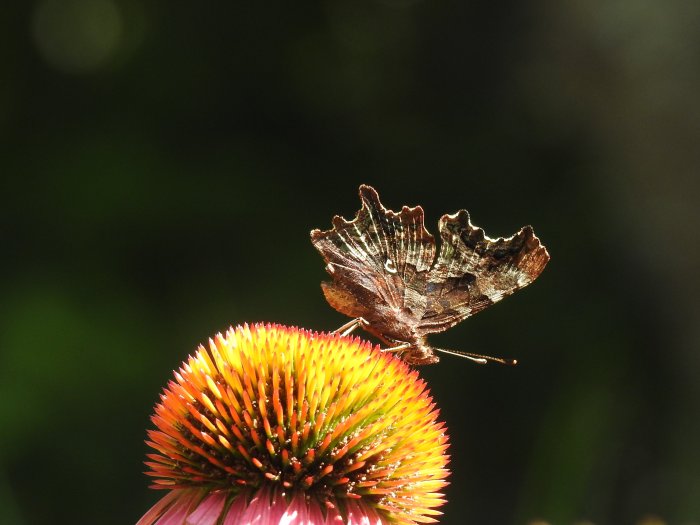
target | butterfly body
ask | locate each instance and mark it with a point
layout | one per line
(393, 326)
(386, 270)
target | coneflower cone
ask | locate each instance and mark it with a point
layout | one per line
(273, 424)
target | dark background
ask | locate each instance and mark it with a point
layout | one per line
(163, 162)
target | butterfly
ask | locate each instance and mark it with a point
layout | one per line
(387, 277)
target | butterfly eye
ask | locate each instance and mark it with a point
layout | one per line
(389, 266)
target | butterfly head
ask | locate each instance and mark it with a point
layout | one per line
(418, 354)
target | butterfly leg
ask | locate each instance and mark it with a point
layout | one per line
(397, 348)
(348, 328)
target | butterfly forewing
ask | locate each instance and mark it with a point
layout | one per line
(379, 258)
(473, 271)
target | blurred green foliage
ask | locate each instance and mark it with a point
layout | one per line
(163, 163)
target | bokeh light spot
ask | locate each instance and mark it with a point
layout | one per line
(77, 35)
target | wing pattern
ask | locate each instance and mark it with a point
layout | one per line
(473, 271)
(378, 260)
(384, 268)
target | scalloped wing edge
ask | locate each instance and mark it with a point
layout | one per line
(537, 253)
(370, 201)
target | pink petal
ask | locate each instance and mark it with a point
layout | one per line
(359, 514)
(296, 513)
(208, 511)
(333, 517)
(234, 514)
(176, 514)
(259, 510)
(270, 507)
(161, 506)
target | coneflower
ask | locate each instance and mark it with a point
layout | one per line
(273, 424)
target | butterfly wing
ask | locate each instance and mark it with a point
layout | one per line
(473, 271)
(378, 261)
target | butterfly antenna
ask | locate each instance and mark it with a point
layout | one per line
(478, 358)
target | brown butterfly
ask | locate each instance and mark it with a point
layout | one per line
(385, 274)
